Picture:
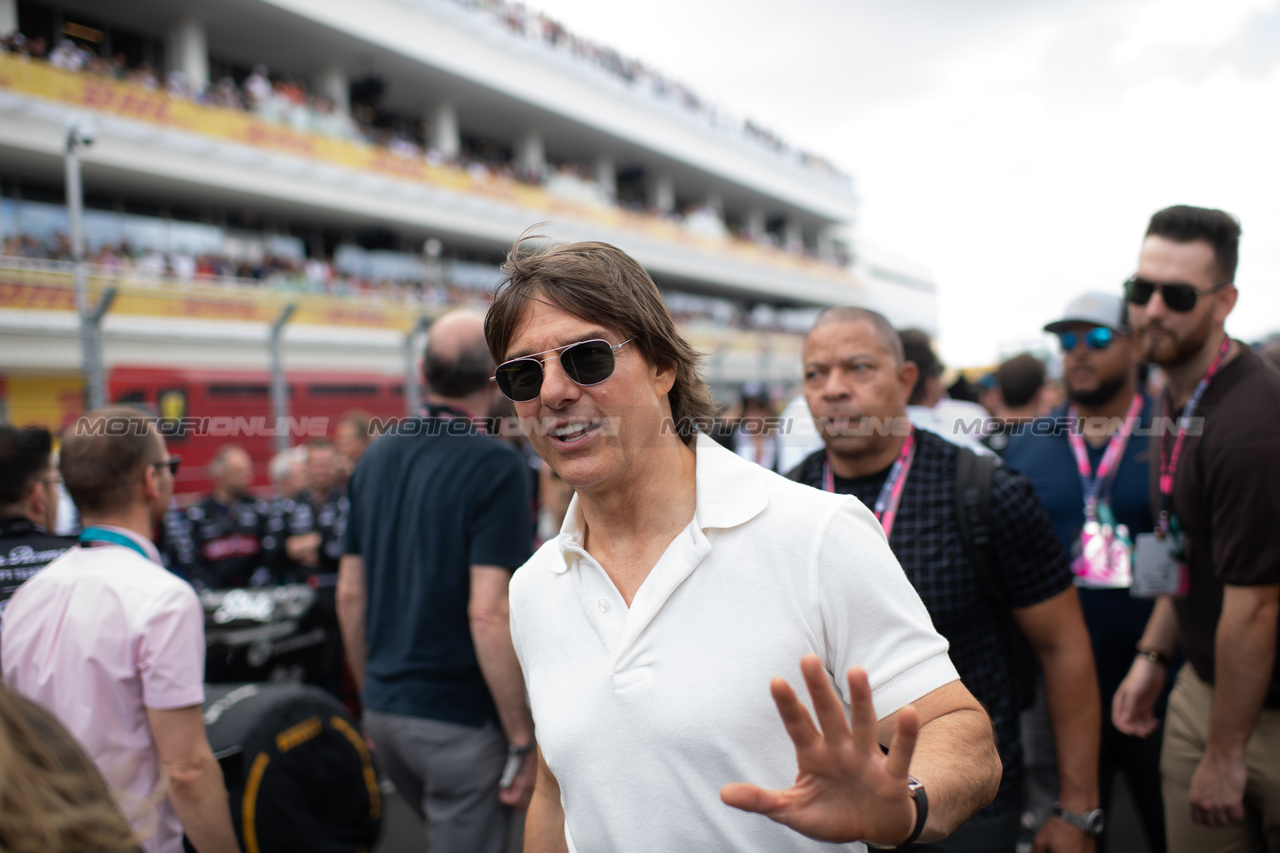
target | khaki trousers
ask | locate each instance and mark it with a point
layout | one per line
(1186, 730)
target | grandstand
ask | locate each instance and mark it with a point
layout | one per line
(369, 164)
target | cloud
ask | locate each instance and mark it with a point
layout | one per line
(1017, 149)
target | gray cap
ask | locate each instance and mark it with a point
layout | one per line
(1100, 309)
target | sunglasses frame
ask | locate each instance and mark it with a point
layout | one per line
(172, 463)
(1178, 305)
(542, 369)
(1088, 338)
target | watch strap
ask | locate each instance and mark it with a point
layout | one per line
(916, 790)
(1090, 823)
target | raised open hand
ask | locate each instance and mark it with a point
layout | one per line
(846, 789)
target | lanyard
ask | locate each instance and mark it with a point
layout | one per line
(92, 536)
(1169, 460)
(886, 508)
(1097, 486)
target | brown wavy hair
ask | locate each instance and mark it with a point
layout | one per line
(52, 797)
(601, 284)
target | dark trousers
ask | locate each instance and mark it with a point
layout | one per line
(997, 834)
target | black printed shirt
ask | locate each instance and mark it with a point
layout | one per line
(231, 542)
(25, 548)
(327, 516)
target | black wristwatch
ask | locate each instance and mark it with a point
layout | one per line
(1090, 823)
(916, 790)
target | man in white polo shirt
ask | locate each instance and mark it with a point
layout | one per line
(113, 644)
(683, 580)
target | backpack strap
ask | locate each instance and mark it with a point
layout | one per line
(973, 514)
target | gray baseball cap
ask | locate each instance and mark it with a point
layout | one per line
(1100, 309)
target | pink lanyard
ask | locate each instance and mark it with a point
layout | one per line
(886, 508)
(1096, 487)
(1169, 461)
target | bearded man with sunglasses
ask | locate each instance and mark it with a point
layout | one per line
(1089, 465)
(683, 580)
(1215, 555)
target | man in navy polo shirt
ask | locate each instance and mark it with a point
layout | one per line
(1089, 464)
(439, 519)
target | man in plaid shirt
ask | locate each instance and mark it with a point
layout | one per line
(857, 384)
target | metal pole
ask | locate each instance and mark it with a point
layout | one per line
(78, 135)
(412, 376)
(95, 377)
(279, 390)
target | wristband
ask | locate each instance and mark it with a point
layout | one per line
(1156, 656)
(516, 751)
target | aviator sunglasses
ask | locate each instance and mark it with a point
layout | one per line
(1099, 338)
(586, 363)
(1178, 297)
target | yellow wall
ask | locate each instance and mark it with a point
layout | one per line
(48, 401)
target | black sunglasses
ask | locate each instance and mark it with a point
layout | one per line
(1179, 297)
(172, 463)
(586, 363)
(1099, 338)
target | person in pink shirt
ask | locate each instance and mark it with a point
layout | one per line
(113, 644)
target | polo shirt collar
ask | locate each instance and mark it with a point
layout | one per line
(730, 491)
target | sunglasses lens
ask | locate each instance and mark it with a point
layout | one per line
(1068, 340)
(1099, 338)
(588, 363)
(520, 380)
(175, 462)
(1138, 291)
(1179, 297)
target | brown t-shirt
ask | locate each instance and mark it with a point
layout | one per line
(1227, 500)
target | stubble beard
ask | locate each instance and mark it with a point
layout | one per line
(1173, 350)
(1099, 396)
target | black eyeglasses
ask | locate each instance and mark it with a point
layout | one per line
(1178, 297)
(1099, 338)
(172, 463)
(586, 363)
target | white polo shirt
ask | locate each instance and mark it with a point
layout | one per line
(644, 713)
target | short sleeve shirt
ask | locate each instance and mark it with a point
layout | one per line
(1043, 454)
(645, 711)
(1030, 565)
(1226, 492)
(426, 505)
(98, 637)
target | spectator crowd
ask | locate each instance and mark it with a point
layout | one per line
(290, 100)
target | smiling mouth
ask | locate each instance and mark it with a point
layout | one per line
(570, 433)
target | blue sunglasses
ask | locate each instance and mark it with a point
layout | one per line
(1099, 338)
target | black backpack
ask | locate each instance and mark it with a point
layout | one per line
(973, 517)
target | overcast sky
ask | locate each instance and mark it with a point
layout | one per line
(1015, 148)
